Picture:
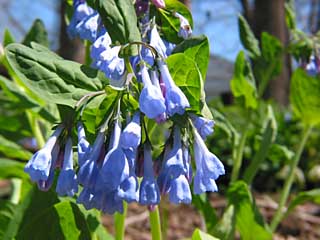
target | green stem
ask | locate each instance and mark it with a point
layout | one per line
(34, 125)
(238, 156)
(119, 220)
(253, 168)
(154, 217)
(16, 190)
(287, 186)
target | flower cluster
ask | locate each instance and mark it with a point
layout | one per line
(120, 165)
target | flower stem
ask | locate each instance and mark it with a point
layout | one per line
(287, 186)
(119, 220)
(34, 125)
(238, 155)
(154, 217)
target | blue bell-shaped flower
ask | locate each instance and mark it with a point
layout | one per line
(88, 28)
(131, 135)
(157, 42)
(115, 168)
(67, 181)
(39, 165)
(176, 101)
(203, 125)
(83, 145)
(180, 190)
(151, 101)
(149, 191)
(185, 28)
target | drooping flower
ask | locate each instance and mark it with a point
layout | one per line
(81, 11)
(39, 165)
(151, 101)
(111, 64)
(88, 172)
(88, 28)
(85, 198)
(67, 182)
(131, 135)
(176, 101)
(101, 44)
(203, 125)
(313, 67)
(185, 28)
(45, 185)
(149, 191)
(83, 145)
(208, 167)
(157, 42)
(115, 168)
(180, 190)
(159, 3)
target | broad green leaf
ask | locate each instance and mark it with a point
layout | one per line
(247, 38)
(269, 64)
(302, 197)
(63, 220)
(7, 38)
(243, 82)
(54, 80)
(186, 75)
(196, 48)
(119, 18)
(13, 150)
(199, 235)
(304, 97)
(10, 168)
(37, 33)
(7, 211)
(249, 222)
(41, 48)
(170, 25)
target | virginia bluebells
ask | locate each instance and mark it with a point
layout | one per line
(203, 125)
(39, 165)
(185, 28)
(67, 182)
(131, 135)
(83, 145)
(176, 101)
(151, 101)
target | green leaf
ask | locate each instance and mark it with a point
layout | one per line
(54, 80)
(13, 150)
(243, 82)
(196, 48)
(10, 169)
(7, 38)
(199, 235)
(304, 97)
(290, 15)
(119, 17)
(170, 25)
(63, 220)
(247, 38)
(269, 64)
(40, 48)
(248, 219)
(268, 137)
(225, 228)
(302, 197)
(186, 75)
(37, 33)
(7, 210)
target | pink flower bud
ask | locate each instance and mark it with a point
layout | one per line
(159, 3)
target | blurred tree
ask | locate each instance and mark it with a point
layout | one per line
(69, 49)
(269, 16)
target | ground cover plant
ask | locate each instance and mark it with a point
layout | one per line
(132, 125)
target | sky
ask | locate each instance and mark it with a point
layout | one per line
(215, 18)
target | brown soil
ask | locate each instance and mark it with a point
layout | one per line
(303, 223)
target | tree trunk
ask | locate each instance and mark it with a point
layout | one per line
(69, 49)
(269, 16)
